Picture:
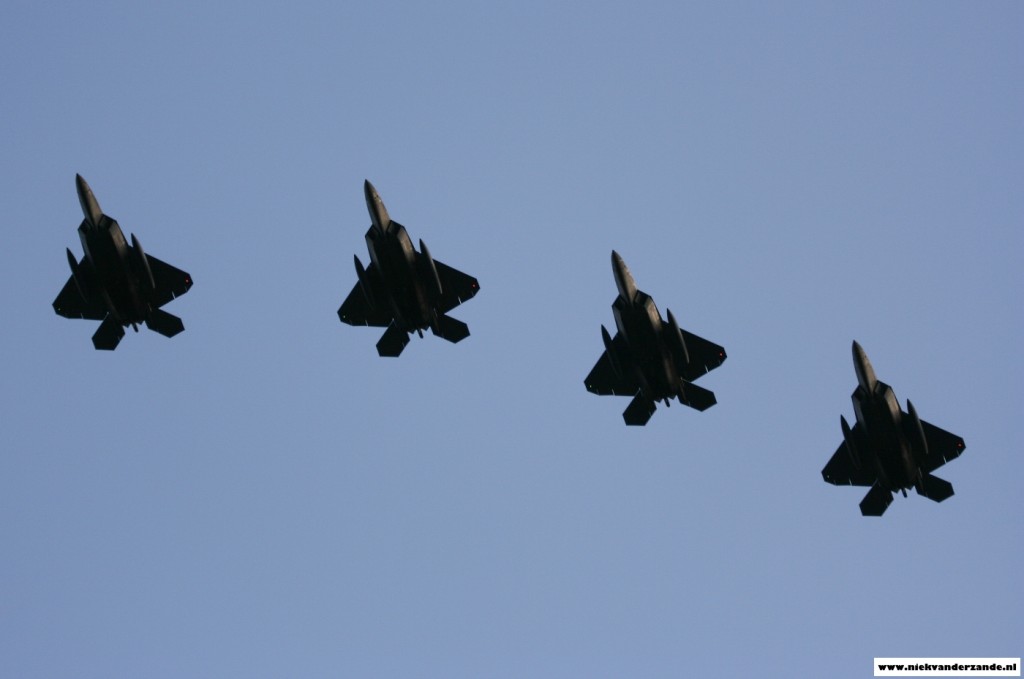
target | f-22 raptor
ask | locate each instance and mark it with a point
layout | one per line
(402, 289)
(115, 282)
(647, 359)
(888, 449)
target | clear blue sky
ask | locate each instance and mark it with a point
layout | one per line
(262, 496)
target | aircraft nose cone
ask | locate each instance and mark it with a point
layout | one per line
(619, 266)
(623, 279)
(90, 207)
(375, 206)
(861, 364)
(859, 356)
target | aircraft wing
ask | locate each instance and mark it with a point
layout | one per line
(71, 304)
(356, 310)
(603, 379)
(841, 471)
(456, 287)
(705, 356)
(170, 281)
(942, 447)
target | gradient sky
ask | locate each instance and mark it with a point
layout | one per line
(263, 496)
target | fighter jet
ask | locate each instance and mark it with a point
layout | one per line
(117, 283)
(647, 359)
(403, 290)
(888, 449)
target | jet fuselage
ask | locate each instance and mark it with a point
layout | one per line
(402, 289)
(884, 438)
(110, 271)
(391, 250)
(888, 449)
(639, 321)
(117, 282)
(650, 359)
(881, 418)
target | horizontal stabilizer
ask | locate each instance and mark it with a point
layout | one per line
(876, 501)
(109, 334)
(392, 342)
(450, 329)
(164, 323)
(696, 397)
(934, 488)
(639, 411)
